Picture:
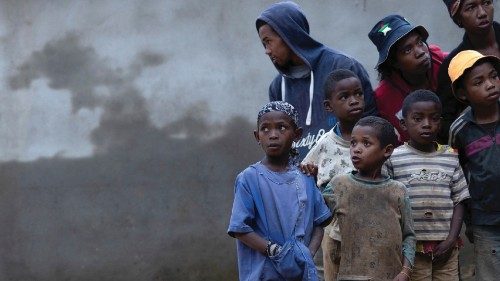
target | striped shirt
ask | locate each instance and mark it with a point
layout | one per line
(435, 184)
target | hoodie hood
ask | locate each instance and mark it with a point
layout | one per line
(288, 20)
(306, 93)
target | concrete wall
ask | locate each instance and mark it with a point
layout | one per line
(124, 124)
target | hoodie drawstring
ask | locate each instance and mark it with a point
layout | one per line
(311, 91)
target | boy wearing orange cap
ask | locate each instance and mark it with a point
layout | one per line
(481, 33)
(476, 135)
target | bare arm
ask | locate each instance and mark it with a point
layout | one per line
(405, 273)
(253, 240)
(456, 226)
(316, 238)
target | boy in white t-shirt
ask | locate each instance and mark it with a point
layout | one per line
(330, 156)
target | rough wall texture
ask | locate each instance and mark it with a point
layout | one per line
(124, 124)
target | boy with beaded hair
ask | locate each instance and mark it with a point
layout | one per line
(278, 213)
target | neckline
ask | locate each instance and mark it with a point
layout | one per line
(286, 177)
(353, 175)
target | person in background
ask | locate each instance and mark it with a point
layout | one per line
(481, 34)
(303, 65)
(406, 63)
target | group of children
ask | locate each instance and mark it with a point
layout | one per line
(383, 198)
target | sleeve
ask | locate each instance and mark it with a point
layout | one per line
(322, 215)
(455, 143)
(387, 169)
(369, 96)
(312, 156)
(407, 230)
(275, 89)
(243, 212)
(329, 196)
(458, 186)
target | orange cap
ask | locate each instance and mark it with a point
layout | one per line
(465, 60)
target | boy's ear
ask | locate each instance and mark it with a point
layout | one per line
(388, 149)
(298, 133)
(461, 94)
(402, 123)
(328, 106)
(256, 136)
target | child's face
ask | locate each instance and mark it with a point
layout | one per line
(422, 122)
(412, 55)
(482, 85)
(278, 51)
(347, 100)
(276, 133)
(476, 15)
(367, 154)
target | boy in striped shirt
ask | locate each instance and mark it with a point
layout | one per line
(436, 186)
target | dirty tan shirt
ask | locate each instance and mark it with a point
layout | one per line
(375, 225)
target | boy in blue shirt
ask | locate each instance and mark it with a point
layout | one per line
(278, 213)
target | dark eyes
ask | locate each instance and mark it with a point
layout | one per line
(344, 97)
(365, 143)
(280, 127)
(472, 7)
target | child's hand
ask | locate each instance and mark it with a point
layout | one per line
(401, 277)
(444, 246)
(309, 169)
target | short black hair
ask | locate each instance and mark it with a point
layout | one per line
(418, 96)
(385, 131)
(334, 77)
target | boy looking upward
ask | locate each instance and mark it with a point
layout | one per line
(476, 135)
(278, 213)
(330, 156)
(436, 186)
(303, 65)
(376, 226)
(406, 63)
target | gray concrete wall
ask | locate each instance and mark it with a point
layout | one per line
(124, 123)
